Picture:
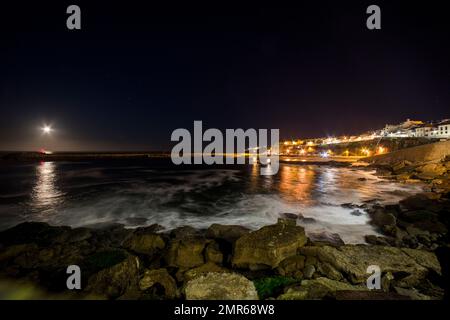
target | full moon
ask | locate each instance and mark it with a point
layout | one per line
(46, 129)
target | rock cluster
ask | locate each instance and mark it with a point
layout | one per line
(222, 262)
(419, 221)
(435, 173)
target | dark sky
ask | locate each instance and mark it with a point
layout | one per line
(136, 72)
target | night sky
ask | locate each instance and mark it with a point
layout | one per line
(134, 73)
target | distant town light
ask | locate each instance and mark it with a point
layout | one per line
(381, 150)
(365, 151)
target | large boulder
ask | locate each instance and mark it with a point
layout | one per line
(318, 289)
(228, 233)
(380, 218)
(162, 278)
(221, 286)
(325, 238)
(184, 232)
(186, 253)
(410, 265)
(268, 246)
(111, 235)
(74, 235)
(202, 270)
(292, 266)
(39, 233)
(424, 220)
(328, 270)
(213, 253)
(115, 280)
(12, 252)
(431, 170)
(421, 201)
(144, 243)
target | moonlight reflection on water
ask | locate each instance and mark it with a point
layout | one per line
(45, 195)
(142, 193)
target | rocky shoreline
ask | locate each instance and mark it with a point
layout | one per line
(232, 262)
(223, 262)
(420, 221)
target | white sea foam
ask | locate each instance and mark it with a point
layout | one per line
(199, 198)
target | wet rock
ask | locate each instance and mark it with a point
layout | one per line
(153, 228)
(383, 171)
(431, 226)
(11, 252)
(310, 260)
(220, 286)
(109, 235)
(411, 294)
(202, 270)
(309, 271)
(74, 235)
(292, 216)
(306, 220)
(102, 260)
(418, 215)
(399, 166)
(406, 176)
(352, 261)
(32, 232)
(410, 242)
(228, 233)
(159, 277)
(424, 220)
(287, 221)
(318, 289)
(186, 253)
(415, 232)
(421, 202)
(375, 240)
(393, 208)
(268, 246)
(136, 220)
(144, 243)
(349, 205)
(386, 281)
(184, 232)
(430, 171)
(292, 266)
(28, 259)
(325, 239)
(380, 218)
(327, 270)
(115, 280)
(213, 253)
(356, 213)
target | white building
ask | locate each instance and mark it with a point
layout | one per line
(402, 130)
(426, 130)
(443, 129)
